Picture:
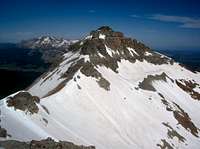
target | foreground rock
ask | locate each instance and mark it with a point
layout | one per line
(3, 132)
(24, 101)
(43, 144)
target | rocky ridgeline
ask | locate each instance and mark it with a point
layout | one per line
(97, 44)
(105, 47)
(42, 144)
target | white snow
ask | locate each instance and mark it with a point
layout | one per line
(51, 41)
(102, 36)
(109, 50)
(122, 118)
(148, 53)
(53, 78)
(197, 89)
(46, 40)
(86, 58)
(132, 50)
(100, 55)
(88, 37)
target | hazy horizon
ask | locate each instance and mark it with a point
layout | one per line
(159, 24)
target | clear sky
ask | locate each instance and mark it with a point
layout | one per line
(161, 24)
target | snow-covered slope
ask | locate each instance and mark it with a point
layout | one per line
(111, 92)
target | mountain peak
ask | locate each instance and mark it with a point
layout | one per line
(105, 32)
(105, 28)
(105, 44)
(109, 84)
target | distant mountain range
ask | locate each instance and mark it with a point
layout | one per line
(22, 63)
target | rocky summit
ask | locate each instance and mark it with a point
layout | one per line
(106, 91)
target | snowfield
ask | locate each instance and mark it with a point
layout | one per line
(120, 118)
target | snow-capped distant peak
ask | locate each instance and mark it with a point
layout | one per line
(47, 42)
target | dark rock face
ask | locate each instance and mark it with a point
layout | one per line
(146, 84)
(24, 101)
(12, 144)
(118, 44)
(171, 133)
(42, 144)
(182, 118)
(3, 132)
(105, 47)
(165, 145)
(45, 109)
(106, 30)
(185, 121)
(188, 86)
(89, 70)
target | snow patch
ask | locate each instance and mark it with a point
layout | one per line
(86, 58)
(102, 36)
(132, 50)
(88, 37)
(109, 50)
(147, 53)
(100, 55)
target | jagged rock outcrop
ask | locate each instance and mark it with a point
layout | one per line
(42, 144)
(24, 101)
(3, 132)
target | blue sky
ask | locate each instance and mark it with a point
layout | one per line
(169, 24)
